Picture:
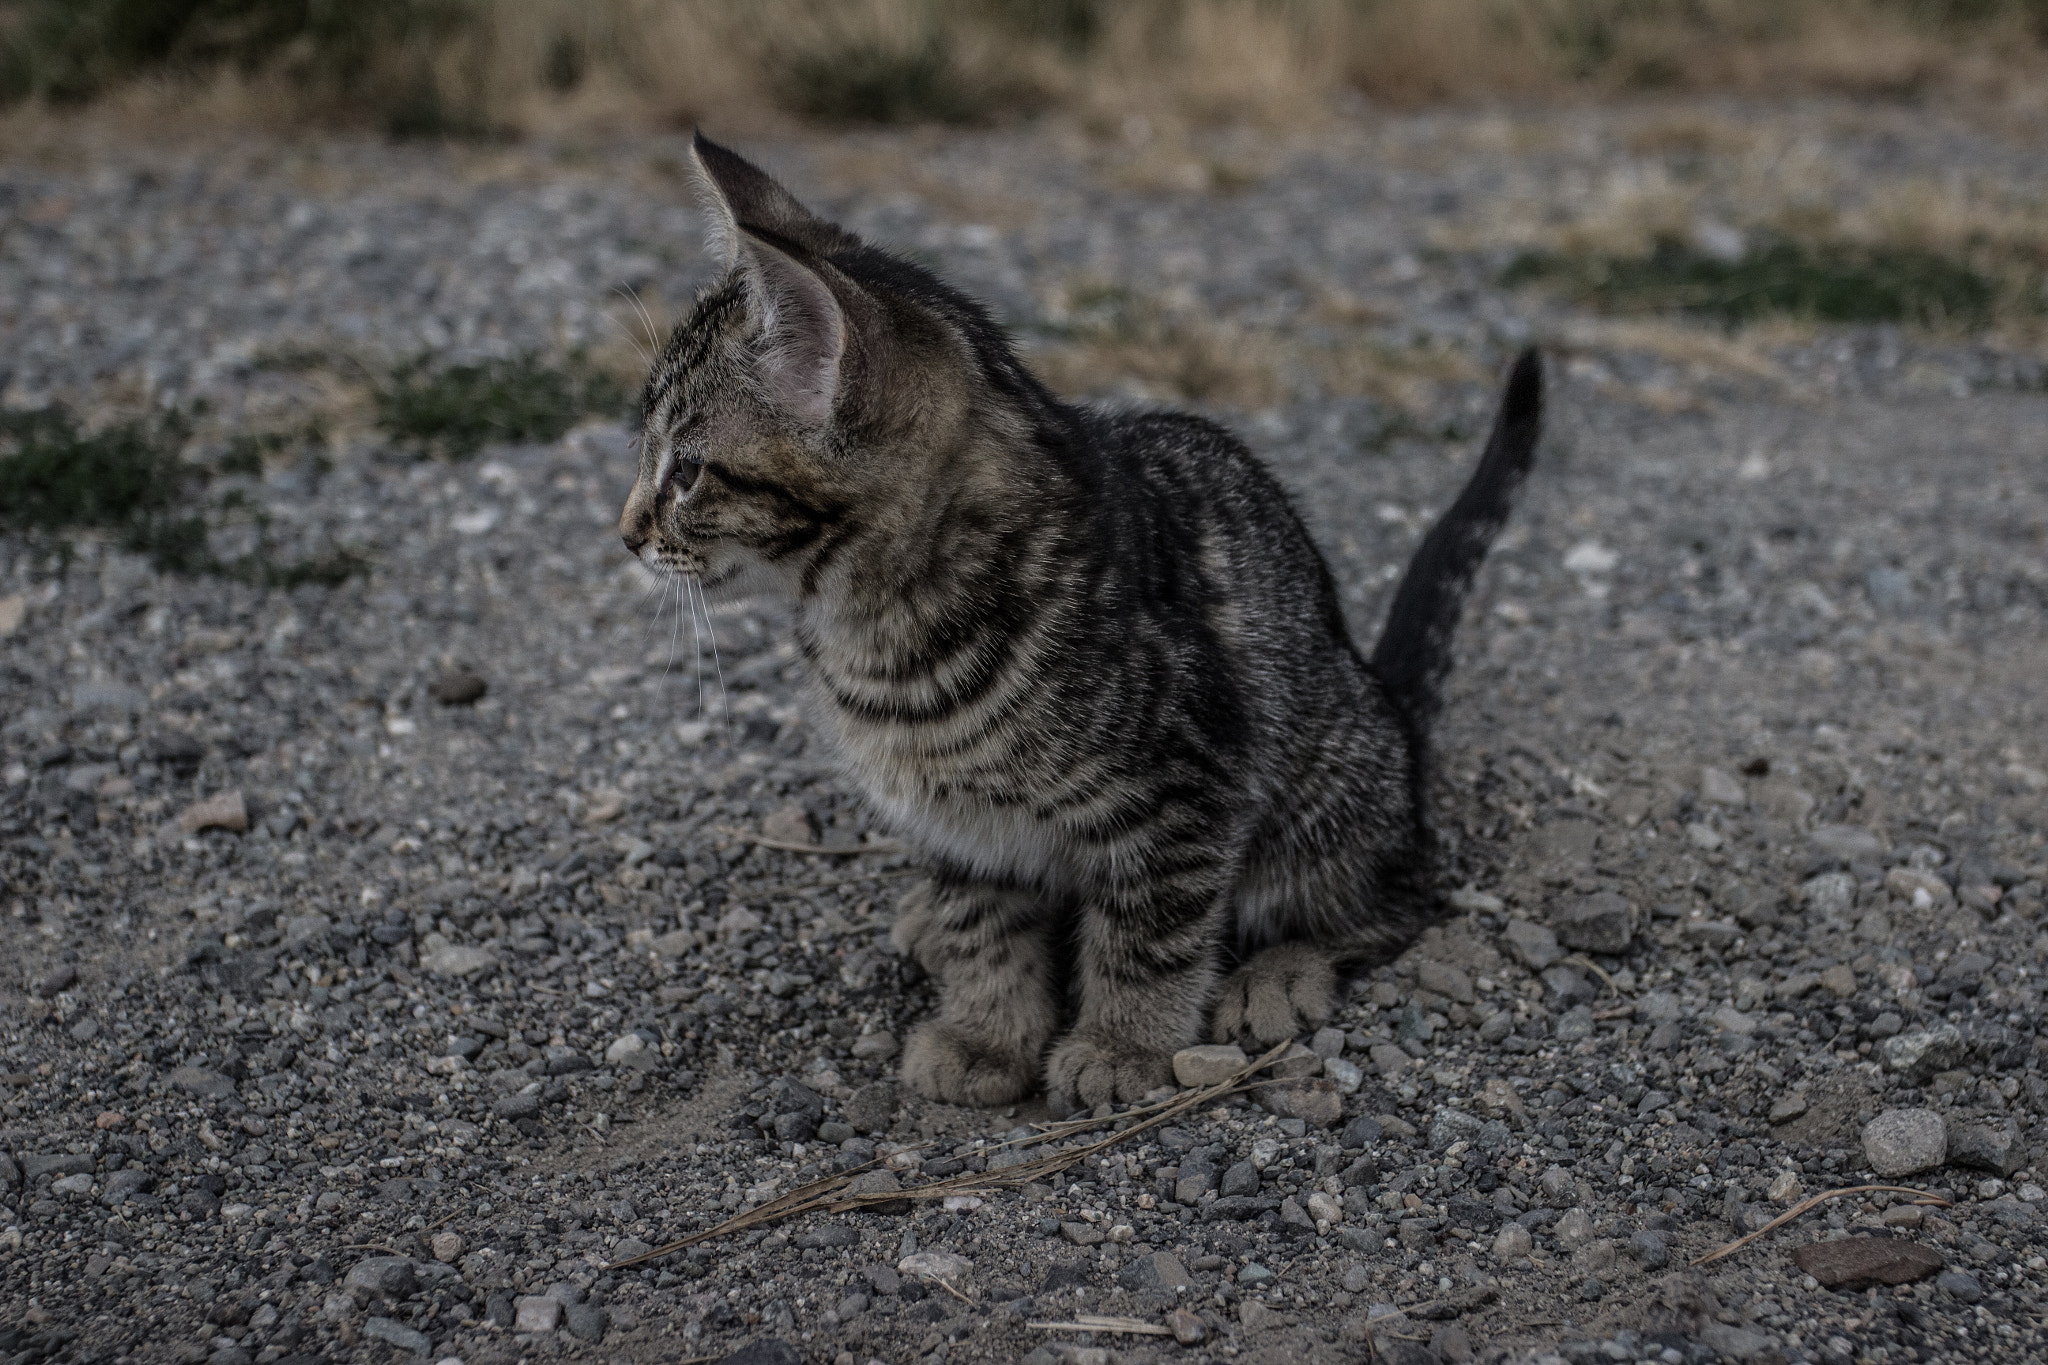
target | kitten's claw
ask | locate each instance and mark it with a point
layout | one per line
(944, 1062)
(1087, 1071)
(1283, 991)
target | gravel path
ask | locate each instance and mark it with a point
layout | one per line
(451, 1004)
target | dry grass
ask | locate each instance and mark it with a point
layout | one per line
(550, 66)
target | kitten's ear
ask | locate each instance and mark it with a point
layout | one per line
(734, 193)
(800, 330)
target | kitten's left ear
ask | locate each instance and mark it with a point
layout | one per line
(800, 330)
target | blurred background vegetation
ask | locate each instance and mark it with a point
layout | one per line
(502, 67)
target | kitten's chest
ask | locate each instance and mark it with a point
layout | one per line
(974, 804)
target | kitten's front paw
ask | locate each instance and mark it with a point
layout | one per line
(1087, 1071)
(1283, 991)
(942, 1061)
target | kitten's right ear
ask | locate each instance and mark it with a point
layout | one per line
(734, 194)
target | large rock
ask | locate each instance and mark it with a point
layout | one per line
(1856, 1263)
(1989, 1145)
(1920, 1053)
(1902, 1142)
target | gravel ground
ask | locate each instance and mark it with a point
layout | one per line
(450, 1004)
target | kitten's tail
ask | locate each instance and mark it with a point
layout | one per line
(1414, 652)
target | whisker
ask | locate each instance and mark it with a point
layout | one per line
(675, 634)
(711, 629)
(696, 653)
(639, 347)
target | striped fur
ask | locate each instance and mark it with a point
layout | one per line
(1090, 664)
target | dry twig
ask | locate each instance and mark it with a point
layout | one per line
(830, 1195)
(1814, 1202)
(791, 846)
(1095, 1322)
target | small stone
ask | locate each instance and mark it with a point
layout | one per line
(878, 1046)
(1253, 1274)
(1593, 1291)
(766, 1351)
(1296, 1061)
(1356, 1278)
(1857, 1263)
(1208, 1064)
(1324, 1208)
(13, 611)
(1921, 889)
(399, 1335)
(1313, 1101)
(1703, 836)
(629, 1249)
(446, 1246)
(1787, 1107)
(1452, 1344)
(516, 1106)
(1241, 1179)
(1649, 1250)
(1348, 1076)
(61, 979)
(458, 687)
(223, 811)
(1902, 1142)
(1555, 1183)
(1831, 894)
(1920, 1053)
(454, 959)
(1388, 1059)
(1512, 1242)
(1848, 843)
(1256, 1317)
(937, 1265)
(872, 1108)
(1327, 1042)
(1960, 1285)
(1574, 1229)
(1160, 1270)
(80, 1185)
(1445, 980)
(1600, 923)
(1574, 1025)
(1535, 944)
(1447, 1126)
(791, 825)
(587, 1321)
(536, 1313)
(1904, 1216)
(1839, 981)
(624, 1048)
(390, 1276)
(1362, 1131)
(1786, 1189)
(1187, 1328)
(1722, 787)
(1082, 1234)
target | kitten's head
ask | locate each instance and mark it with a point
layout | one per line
(805, 394)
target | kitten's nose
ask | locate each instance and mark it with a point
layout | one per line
(635, 528)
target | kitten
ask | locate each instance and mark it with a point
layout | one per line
(1088, 663)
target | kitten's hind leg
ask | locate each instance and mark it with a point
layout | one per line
(989, 946)
(1283, 991)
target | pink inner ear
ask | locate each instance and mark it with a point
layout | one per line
(803, 333)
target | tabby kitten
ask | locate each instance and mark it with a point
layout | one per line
(1088, 663)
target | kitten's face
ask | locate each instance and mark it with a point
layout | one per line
(728, 481)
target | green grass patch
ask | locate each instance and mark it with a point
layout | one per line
(132, 481)
(1775, 277)
(454, 411)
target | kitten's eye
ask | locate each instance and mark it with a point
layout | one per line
(682, 474)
